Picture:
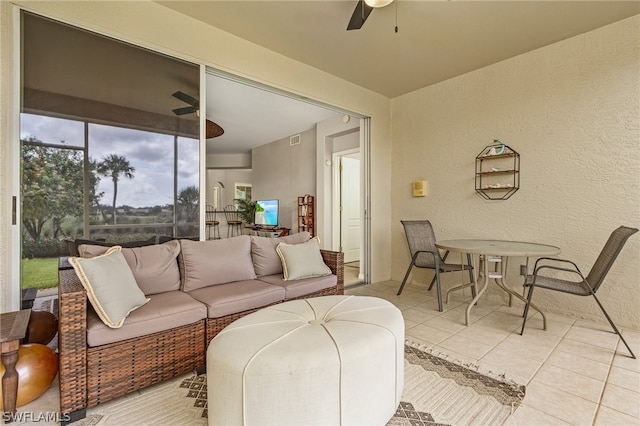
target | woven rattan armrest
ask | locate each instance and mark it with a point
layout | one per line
(335, 261)
(72, 342)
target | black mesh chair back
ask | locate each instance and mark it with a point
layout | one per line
(422, 240)
(579, 285)
(425, 254)
(608, 255)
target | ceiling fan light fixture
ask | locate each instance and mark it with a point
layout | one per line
(378, 3)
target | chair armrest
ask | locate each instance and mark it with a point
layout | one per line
(558, 266)
(335, 261)
(553, 259)
(435, 254)
(72, 341)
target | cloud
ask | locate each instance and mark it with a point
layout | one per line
(150, 154)
(52, 130)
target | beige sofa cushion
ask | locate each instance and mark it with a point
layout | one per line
(263, 252)
(207, 263)
(154, 267)
(231, 298)
(299, 288)
(163, 311)
(110, 285)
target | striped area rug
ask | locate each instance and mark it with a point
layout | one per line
(437, 391)
(441, 391)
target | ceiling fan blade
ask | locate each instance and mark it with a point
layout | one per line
(213, 130)
(186, 98)
(360, 14)
(185, 110)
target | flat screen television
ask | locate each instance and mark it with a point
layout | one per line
(266, 213)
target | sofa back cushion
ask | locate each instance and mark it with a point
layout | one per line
(206, 263)
(155, 267)
(263, 252)
(74, 251)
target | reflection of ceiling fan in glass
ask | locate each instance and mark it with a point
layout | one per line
(213, 130)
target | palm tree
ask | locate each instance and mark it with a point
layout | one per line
(115, 166)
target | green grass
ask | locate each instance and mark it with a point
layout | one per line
(40, 273)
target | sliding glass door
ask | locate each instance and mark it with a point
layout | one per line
(109, 151)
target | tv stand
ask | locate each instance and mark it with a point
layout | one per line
(269, 231)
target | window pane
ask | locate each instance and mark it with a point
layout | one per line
(51, 130)
(137, 168)
(188, 184)
(81, 89)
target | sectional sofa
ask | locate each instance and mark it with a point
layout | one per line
(193, 290)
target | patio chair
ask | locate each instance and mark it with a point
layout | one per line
(581, 285)
(212, 222)
(425, 254)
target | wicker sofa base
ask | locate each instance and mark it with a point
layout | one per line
(120, 368)
(89, 376)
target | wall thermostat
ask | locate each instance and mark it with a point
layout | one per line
(419, 188)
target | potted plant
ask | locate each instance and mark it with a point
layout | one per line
(248, 209)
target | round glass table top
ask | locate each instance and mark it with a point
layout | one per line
(498, 247)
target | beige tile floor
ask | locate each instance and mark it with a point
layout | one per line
(576, 372)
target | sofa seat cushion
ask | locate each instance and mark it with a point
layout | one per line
(263, 252)
(239, 296)
(163, 311)
(299, 288)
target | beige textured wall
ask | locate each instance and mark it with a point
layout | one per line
(285, 172)
(151, 25)
(572, 111)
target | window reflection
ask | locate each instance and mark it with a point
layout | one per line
(104, 155)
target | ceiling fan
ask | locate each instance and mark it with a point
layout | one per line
(363, 10)
(212, 129)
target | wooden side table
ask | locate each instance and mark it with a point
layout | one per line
(13, 326)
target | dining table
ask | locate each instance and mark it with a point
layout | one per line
(497, 252)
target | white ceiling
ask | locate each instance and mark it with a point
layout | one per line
(252, 116)
(437, 40)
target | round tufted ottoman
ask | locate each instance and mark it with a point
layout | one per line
(326, 360)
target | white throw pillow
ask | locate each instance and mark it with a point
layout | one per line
(302, 260)
(110, 284)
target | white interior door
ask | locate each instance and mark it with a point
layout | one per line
(350, 229)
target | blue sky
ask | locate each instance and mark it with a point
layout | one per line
(151, 154)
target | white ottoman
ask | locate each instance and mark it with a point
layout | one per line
(321, 361)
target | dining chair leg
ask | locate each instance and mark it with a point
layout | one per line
(473, 287)
(439, 290)
(433, 280)
(405, 278)
(526, 309)
(613, 326)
